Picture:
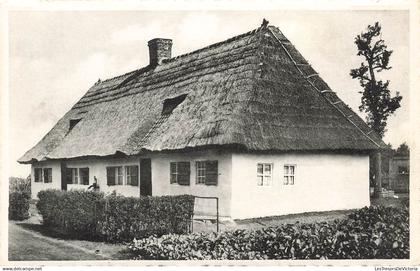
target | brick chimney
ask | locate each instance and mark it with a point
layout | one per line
(159, 49)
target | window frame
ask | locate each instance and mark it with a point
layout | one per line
(204, 177)
(264, 176)
(122, 175)
(174, 175)
(76, 175)
(289, 175)
(128, 175)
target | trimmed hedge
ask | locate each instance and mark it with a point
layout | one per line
(19, 205)
(70, 212)
(125, 218)
(369, 233)
(90, 215)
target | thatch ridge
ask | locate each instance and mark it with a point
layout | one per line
(244, 91)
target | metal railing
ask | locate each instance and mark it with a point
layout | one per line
(217, 212)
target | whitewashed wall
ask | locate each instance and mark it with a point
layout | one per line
(161, 183)
(322, 182)
(97, 167)
(160, 178)
(56, 177)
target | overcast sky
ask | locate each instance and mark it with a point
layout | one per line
(56, 56)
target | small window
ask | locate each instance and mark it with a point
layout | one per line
(73, 123)
(402, 170)
(47, 175)
(170, 104)
(38, 175)
(114, 175)
(132, 175)
(206, 172)
(289, 174)
(78, 176)
(264, 174)
(180, 173)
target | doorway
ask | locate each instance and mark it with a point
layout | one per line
(145, 177)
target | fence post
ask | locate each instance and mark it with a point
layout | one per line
(217, 214)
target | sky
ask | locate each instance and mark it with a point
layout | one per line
(56, 56)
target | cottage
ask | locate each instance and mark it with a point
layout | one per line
(246, 120)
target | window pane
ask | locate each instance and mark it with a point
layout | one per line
(286, 170)
(259, 168)
(292, 180)
(267, 169)
(292, 170)
(119, 176)
(267, 180)
(286, 180)
(260, 180)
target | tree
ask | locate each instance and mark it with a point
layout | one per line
(403, 150)
(376, 97)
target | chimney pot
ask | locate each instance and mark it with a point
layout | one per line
(159, 49)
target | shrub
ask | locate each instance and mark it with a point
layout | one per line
(85, 214)
(125, 218)
(71, 212)
(18, 205)
(369, 233)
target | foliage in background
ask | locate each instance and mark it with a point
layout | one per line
(19, 197)
(368, 233)
(90, 215)
(20, 185)
(18, 205)
(376, 96)
(402, 150)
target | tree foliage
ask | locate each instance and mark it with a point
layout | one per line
(376, 96)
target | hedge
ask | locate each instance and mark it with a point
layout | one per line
(369, 233)
(19, 205)
(90, 215)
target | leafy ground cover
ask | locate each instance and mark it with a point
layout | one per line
(376, 232)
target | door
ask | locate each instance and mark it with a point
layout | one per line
(145, 177)
(63, 176)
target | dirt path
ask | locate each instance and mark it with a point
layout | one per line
(27, 245)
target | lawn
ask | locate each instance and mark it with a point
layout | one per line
(28, 242)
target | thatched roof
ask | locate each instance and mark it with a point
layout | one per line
(254, 91)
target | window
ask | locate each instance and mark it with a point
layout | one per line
(47, 172)
(127, 175)
(206, 172)
(264, 174)
(73, 123)
(170, 104)
(402, 170)
(289, 174)
(180, 173)
(43, 175)
(38, 175)
(132, 175)
(78, 176)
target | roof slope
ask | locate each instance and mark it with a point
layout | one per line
(253, 91)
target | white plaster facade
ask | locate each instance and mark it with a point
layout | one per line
(322, 182)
